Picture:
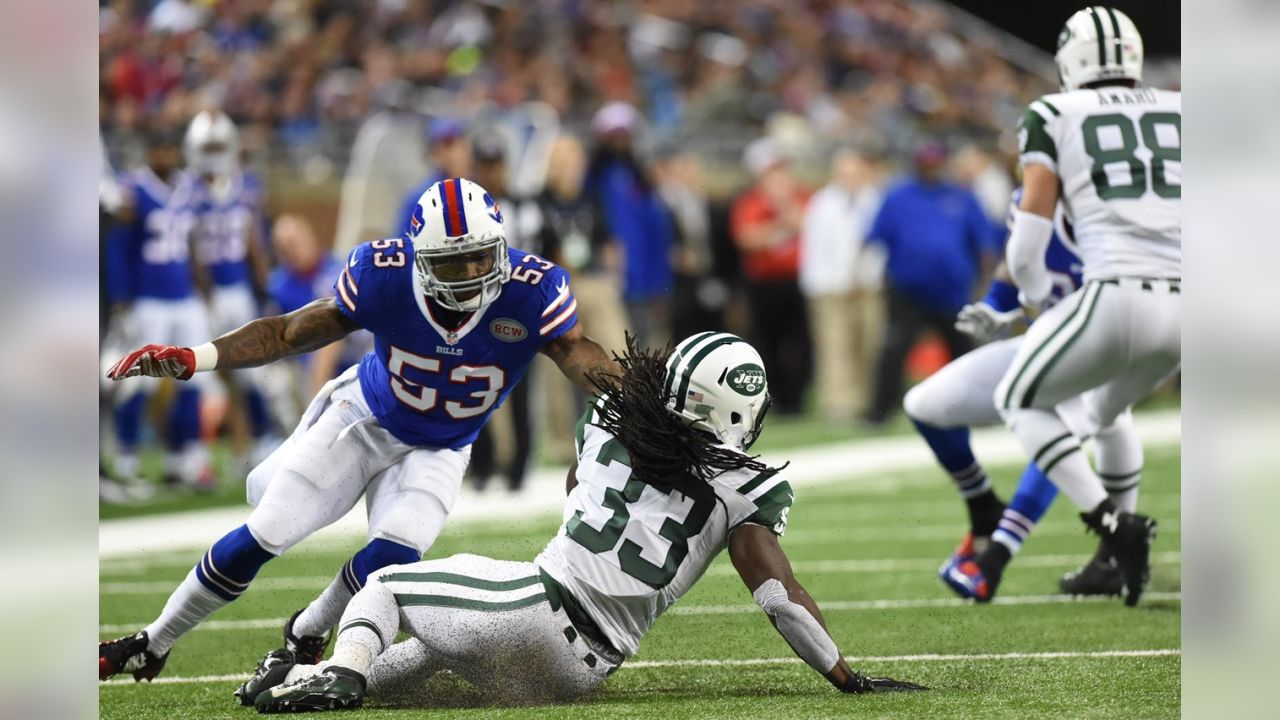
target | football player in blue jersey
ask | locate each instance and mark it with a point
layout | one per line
(960, 396)
(457, 317)
(148, 278)
(231, 262)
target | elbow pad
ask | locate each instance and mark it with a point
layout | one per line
(1028, 241)
(800, 629)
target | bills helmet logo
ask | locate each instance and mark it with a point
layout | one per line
(495, 212)
(416, 221)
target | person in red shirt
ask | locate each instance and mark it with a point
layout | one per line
(765, 222)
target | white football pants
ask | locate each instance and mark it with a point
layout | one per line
(1117, 338)
(961, 394)
(490, 621)
(339, 453)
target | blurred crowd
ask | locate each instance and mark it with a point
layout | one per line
(869, 180)
(301, 75)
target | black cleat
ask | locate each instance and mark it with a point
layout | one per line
(335, 688)
(1129, 536)
(1100, 576)
(129, 654)
(271, 672)
(307, 649)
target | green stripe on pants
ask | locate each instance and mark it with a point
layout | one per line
(449, 578)
(1008, 396)
(1035, 383)
(409, 600)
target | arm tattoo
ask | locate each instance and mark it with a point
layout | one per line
(268, 339)
(579, 358)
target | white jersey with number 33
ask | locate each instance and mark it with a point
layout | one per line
(1118, 153)
(628, 550)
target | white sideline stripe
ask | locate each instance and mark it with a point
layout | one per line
(836, 605)
(719, 570)
(745, 662)
(949, 530)
(862, 461)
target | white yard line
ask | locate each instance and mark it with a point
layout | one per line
(745, 662)
(316, 582)
(837, 605)
(861, 460)
(826, 605)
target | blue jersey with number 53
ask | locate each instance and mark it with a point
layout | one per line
(429, 384)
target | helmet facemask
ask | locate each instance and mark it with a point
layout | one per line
(466, 276)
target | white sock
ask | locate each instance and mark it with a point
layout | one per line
(356, 649)
(369, 625)
(187, 607)
(324, 611)
(1053, 449)
(1120, 460)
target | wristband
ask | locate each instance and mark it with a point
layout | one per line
(1002, 296)
(206, 357)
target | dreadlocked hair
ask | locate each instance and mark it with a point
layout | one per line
(666, 451)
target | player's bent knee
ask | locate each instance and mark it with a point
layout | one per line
(914, 405)
(279, 525)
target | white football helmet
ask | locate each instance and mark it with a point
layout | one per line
(717, 380)
(1098, 43)
(212, 145)
(460, 246)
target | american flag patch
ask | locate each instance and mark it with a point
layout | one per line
(695, 396)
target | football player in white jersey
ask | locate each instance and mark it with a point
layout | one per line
(1111, 151)
(662, 484)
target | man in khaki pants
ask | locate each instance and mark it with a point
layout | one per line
(573, 235)
(841, 282)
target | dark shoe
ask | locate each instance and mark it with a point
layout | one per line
(307, 649)
(129, 654)
(335, 688)
(1129, 536)
(271, 672)
(1099, 576)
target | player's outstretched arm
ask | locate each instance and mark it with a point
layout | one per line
(764, 568)
(257, 343)
(579, 357)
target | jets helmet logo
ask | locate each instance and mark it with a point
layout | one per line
(747, 379)
(1064, 36)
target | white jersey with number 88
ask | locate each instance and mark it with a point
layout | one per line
(1118, 153)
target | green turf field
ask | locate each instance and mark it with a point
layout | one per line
(867, 551)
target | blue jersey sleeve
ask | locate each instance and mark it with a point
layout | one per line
(559, 312)
(346, 287)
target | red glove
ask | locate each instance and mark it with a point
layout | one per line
(156, 361)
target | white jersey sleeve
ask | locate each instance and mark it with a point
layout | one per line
(1118, 154)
